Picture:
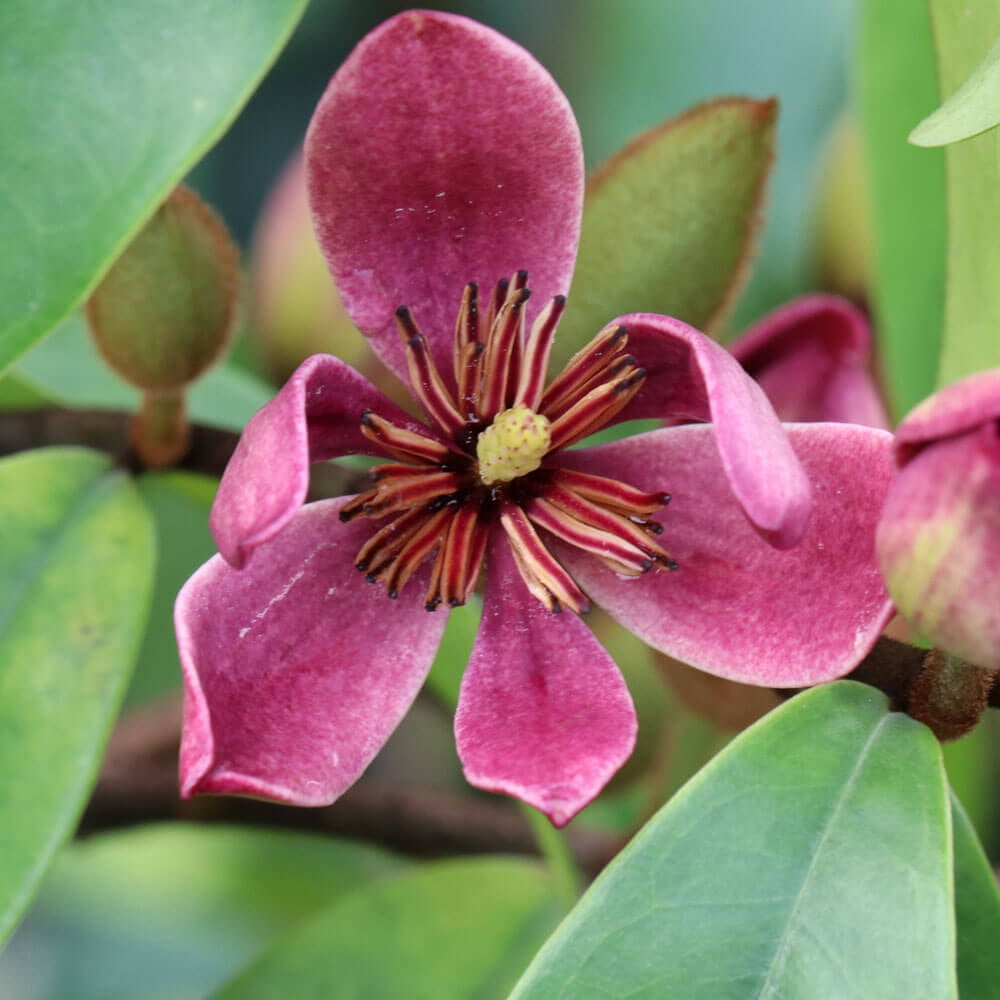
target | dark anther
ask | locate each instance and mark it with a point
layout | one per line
(432, 605)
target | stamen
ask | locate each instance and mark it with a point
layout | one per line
(421, 544)
(469, 376)
(582, 369)
(442, 495)
(502, 354)
(611, 492)
(413, 491)
(428, 386)
(621, 555)
(466, 327)
(497, 298)
(634, 530)
(537, 564)
(388, 540)
(401, 443)
(535, 361)
(452, 584)
(596, 409)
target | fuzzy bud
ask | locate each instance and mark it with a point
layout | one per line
(166, 310)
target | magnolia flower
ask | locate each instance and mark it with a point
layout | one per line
(941, 520)
(442, 158)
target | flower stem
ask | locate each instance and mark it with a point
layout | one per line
(554, 849)
(161, 433)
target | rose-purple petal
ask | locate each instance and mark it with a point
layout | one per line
(690, 377)
(295, 669)
(441, 153)
(543, 713)
(736, 607)
(315, 417)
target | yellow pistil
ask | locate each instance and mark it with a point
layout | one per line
(513, 445)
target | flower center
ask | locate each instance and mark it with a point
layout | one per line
(513, 445)
(489, 461)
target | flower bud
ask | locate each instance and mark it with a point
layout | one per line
(843, 215)
(296, 309)
(938, 540)
(165, 311)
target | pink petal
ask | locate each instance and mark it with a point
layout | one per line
(295, 669)
(939, 543)
(736, 607)
(543, 712)
(690, 377)
(441, 153)
(811, 358)
(315, 417)
(955, 409)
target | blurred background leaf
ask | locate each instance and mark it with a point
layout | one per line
(451, 931)
(173, 911)
(896, 87)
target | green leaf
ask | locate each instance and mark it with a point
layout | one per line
(670, 222)
(65, 369)
(972, 109)
(977, 912)
(453, 654)
(457, 929)
(179, 502)
(896, 87)
(75, 581)
(106, 106)
(809, 860)
(962, 35)
(181, 905)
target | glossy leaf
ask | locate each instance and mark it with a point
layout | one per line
(963, 33)
(808, 860)
(183, 906)
(972, 109)
(897, 87)
(450, 931)
(670, 222)
(75, 581)
(66, 370)
(106, 106)
(977, 912)
(179, 502)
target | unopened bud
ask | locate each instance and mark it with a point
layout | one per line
(844, 240)
(938, 540)
(296, 309)
(166, 310)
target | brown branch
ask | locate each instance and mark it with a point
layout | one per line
(107, 431)
(138, 784)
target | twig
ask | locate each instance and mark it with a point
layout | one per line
(107, 431)
(138, 784)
